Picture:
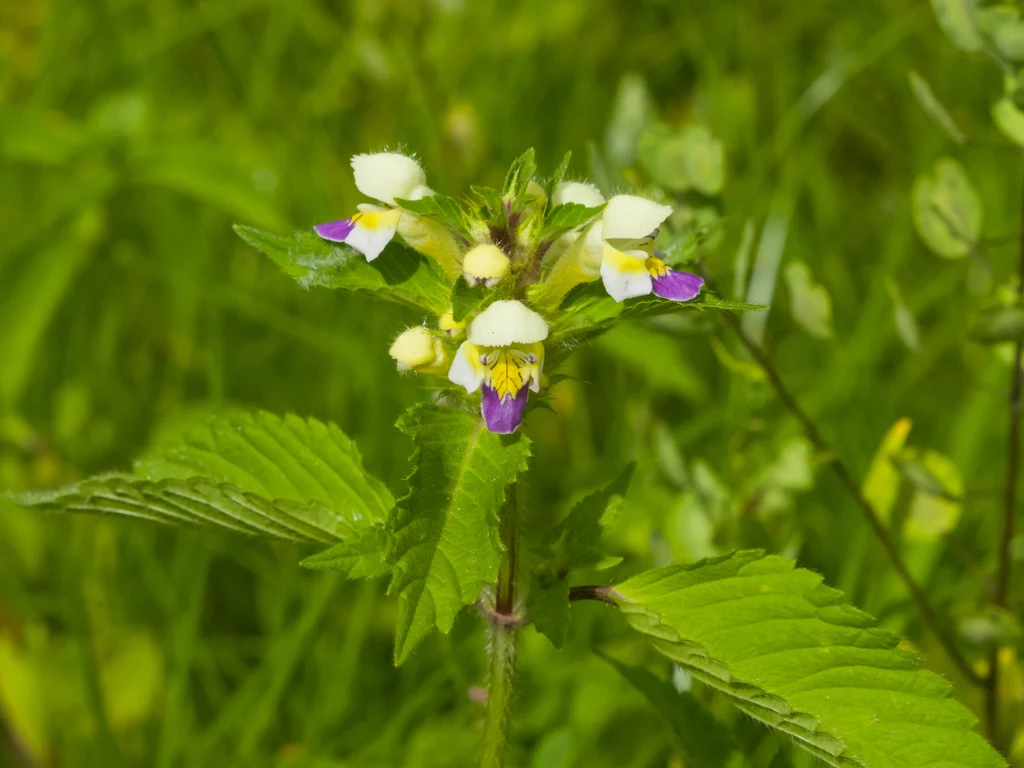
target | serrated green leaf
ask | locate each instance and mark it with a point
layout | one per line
(947, 210)
(447, 210)
(809, 301)
(466, 298)
(706, 742)
(788, 652)
(936, 111)
(957, 19)
(995, 325)
(519, 175)
(565, 218)
(196, 501)
(445, 531)
(560, 172)
(358, 557)
(399, 274)
(287, 478)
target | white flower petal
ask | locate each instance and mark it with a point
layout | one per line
(372, 229)
(629, 217)
(387, 175)
(577, 192)
(504, 323)
(466, 371)
(625, 275)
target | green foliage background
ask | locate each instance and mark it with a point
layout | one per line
(133, 134)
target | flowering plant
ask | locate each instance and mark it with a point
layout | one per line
(513, 280)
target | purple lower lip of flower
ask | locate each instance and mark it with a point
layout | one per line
(677, 286)
(335, 230)
(503, 416)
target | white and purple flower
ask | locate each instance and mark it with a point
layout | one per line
(619, 246)
(504, 356)
(387, 177)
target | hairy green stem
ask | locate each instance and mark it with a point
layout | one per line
(881, 532)
(499, 694)
(1005, 567)
(504, 629)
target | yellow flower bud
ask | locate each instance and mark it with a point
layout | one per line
(416, 348)
(448, 324)
(485, 264)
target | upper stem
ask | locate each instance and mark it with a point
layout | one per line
(502, 648)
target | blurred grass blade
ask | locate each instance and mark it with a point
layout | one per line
(936, 111)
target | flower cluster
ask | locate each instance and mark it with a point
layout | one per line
(519, 252)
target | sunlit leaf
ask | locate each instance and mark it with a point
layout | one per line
(947, 210)
(1001, 26)
(787, 651)
(445, 532)
(936, 505)
(399, 274)
(882, 483)
(958, 19)
(446, 210)
(566, 217)
(1009, 119)
(691, 158)
(906, 323)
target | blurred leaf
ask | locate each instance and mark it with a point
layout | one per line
(936, 506)
(284, 478)
(882, 483)
(691, 158)
(906, 324)
(399, 274)
(1009, 119)
(210, 176)
(441, 208)
(998, 324)
(706, 742)
(445, 531)
(631, 111)
(566, 217)
(1001, 25)
(809, 301)
(947, 210)
(547, 606)
(936, 111)
(958, 19)
(787, 651)
(767, 261)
